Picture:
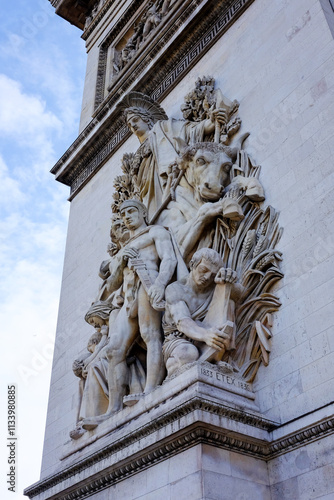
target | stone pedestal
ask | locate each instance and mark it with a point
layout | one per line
(186, 439)
(199, 436)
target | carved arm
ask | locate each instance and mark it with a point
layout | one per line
(165, 251)
(117, 266)
(180, 313)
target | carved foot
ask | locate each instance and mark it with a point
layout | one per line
(77, 432)
(91, 423)
(132, 399)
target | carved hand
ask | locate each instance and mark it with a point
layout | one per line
(226, 275)
(156, 293)
(216, 338)
(129, 253)
(210, 210)
(104, 329)
(112, 249)
(77, 367)
(231, 209)
(219, 115)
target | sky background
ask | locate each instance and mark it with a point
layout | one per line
(42, 69)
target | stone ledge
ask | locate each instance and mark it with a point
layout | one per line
(58, 485)
(73, 11)
(195, 408)
(305, 429)
(201, 388)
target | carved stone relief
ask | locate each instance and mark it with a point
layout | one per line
(193, 257)
(189, 49)
(94, 11)
(145, 26)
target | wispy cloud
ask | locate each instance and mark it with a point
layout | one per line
(24, 116)
(42, 63)
(10, 189)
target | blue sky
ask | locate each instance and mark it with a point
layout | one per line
(42, 68)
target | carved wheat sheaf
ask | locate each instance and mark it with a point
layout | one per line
(190, 238)
(247, 247)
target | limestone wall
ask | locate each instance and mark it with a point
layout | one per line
(306, 473)
(277, 61)
(93, 46)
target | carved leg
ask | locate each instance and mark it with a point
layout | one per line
(123, 335)
(147, 28)
(150, 329)
(126, 330)
(183, 353)
(155, 366)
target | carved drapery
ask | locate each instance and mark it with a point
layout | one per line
(193, 257)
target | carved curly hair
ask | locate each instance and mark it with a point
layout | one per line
(208, 254)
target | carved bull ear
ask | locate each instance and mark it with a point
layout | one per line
(181, 145)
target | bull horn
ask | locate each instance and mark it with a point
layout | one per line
(238, 146)
(182, 145)
(242, 139)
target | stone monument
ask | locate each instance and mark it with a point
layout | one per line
(199, 330)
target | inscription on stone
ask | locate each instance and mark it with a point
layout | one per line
(226, 379)
(191, 261)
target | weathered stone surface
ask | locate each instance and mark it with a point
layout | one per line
(276, 60)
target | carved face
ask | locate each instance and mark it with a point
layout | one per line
(96, 322)
(125, 54)
(119, 232)
(204, 274)
(137, 126)
(132, 217)
(93, 341)
(208, 173)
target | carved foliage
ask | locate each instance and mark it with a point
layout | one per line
(210, 199)
(202, 100)
(248, 246)
(126, 185)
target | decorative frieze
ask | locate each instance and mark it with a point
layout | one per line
(73, 11)
(265, 447)
(189, 48)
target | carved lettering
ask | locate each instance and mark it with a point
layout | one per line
(188, 205)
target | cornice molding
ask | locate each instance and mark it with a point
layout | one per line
(296, 439)
(73, 11)
(195, 404)
(126, 17)
(198, 433)
(183, 54)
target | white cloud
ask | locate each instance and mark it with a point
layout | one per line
(10, 191)
(24, 116)
(57, 75)
(39, 116)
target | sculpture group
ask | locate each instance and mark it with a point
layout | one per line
(145, 26)
(192, 257)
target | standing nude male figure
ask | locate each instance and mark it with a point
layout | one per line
(138, 316)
